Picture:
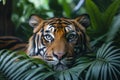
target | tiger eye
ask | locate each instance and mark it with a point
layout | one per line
(48, 37)
(71, 36)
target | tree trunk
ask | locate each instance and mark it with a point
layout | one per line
(6, 25)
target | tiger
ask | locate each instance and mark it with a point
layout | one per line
(12, 43)
(58, 40)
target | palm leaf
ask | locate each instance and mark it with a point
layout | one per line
(107, 64)
(21, 67)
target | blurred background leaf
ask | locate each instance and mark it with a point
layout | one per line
(101, 21)
(101, 14)
(3, 2)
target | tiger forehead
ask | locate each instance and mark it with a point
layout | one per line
(59, 22)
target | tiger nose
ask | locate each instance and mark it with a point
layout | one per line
(59, 55)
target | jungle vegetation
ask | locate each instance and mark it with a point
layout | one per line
(101, 64)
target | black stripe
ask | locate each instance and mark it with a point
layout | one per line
(20, 48)
(10, 45)
(10, 38)
(34, 46)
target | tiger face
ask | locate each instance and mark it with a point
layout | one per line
(58, 40)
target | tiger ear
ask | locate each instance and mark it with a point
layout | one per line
(34, 21)
(84, 20)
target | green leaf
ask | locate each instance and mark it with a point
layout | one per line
(8, 58)
(10, 63)
(66, 8)
(21, 70)
(36, 71)
(60, 76)
(46, 75)
(110, 13)
(16, 68)
(38, 77)
(106, 64)
(4, 2)
(95, 14)
(3, 58)
(115, 27)
(67, 75)
(104, 50)
(101, 21)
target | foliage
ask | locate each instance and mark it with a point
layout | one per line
(101, 21)
(3, 2)
(15, 66)
(106, 62)
(114, 32)
(105, 27)
(101, 14)
(103, 5)
(23, 9)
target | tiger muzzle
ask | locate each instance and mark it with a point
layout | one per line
(59, 56)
